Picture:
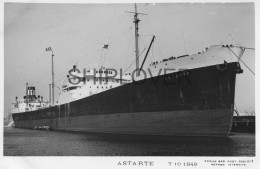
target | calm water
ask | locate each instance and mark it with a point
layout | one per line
(23, 142)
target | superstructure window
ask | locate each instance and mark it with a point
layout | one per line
(72, 88)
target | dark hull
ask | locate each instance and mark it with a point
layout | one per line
(198, 102)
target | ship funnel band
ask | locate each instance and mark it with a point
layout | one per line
(31, 90)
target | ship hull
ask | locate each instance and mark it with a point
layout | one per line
(197, 102)
(178, 123)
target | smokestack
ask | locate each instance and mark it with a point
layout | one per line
(50, 93)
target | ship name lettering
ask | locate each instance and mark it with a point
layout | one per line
(136, 163)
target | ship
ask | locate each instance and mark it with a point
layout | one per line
(188, 95)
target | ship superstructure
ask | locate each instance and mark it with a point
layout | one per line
(30, 102)
(78, 84)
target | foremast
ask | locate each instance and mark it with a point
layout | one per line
(136, 21)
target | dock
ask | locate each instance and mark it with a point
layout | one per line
(245, 124)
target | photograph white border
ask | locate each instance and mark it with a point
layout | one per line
(88, 162)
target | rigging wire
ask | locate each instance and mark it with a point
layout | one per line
(119, 22)
(120, 34)
(135, 60)
(131, 38)
(251, 108)
(128, 47)
(191, 41)
(236, 108)
(241, 60)
(184, 42)
(59, 79)
(110, 42)
(249, 48)
(159, 48)
(238, 42)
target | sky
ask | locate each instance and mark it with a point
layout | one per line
(77, 33)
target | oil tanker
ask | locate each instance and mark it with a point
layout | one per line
(189, 95)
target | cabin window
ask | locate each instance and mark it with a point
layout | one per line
(72, 88)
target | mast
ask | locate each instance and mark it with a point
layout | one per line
(52, 73)
(52, 79)
(49, 94)
(136, 20)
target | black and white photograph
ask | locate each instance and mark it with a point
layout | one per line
(172, 80)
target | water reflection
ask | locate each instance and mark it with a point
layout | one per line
(36, 143)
